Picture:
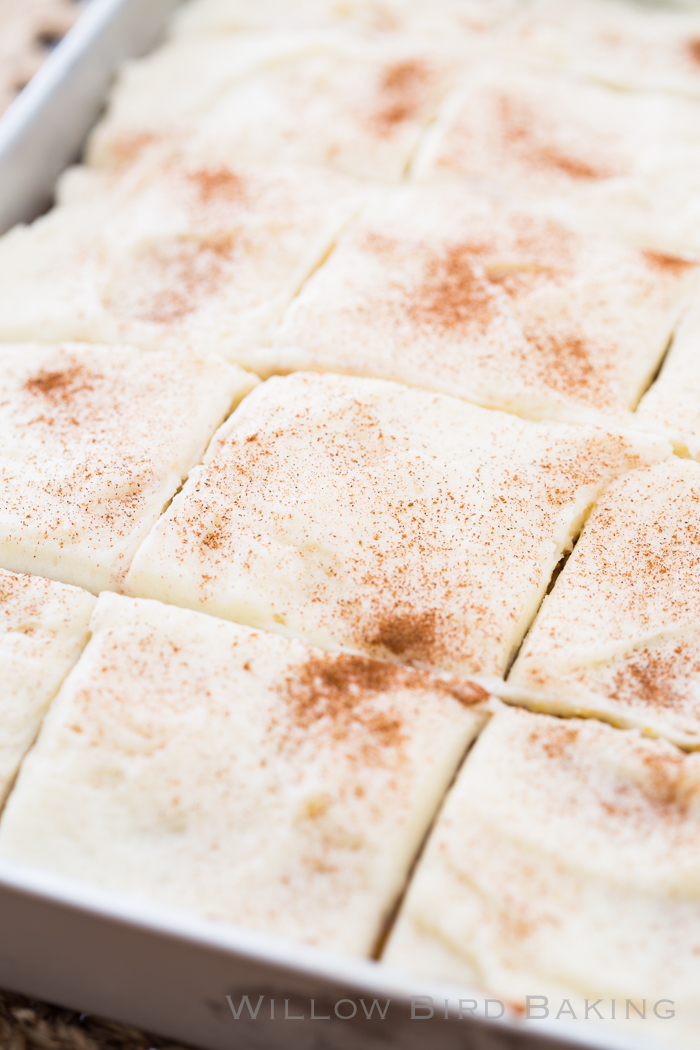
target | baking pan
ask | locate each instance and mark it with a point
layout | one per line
(44, 128)
(167, 971)
(109, 954)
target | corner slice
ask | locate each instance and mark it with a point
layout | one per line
(619, 636)
(505, 306)
(48, 275)
(43, 629)
(239, 775)
(94, 442)
(156, 99)
(364, 515)
(565, 864)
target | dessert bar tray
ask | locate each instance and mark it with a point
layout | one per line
(204, 983)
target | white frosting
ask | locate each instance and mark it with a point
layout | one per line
(622, 162)
(239, 775)
(361, 514)
(443, 19)
(43, 628)
(177, 254)
(309, 99)
(499, 304)
(565, 864)
(158, 97)
(359, 111)
(672, 404)
(619, 636)
(94, 441)
(624, 45)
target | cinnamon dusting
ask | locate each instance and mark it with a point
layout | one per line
(401, 91)
(342, 689)
(663, 783)
(556, 740)
(453, 293)
(569, 363)
(216, 183)
(175, 275)
(336, 687)
(671, 264)
(60, 385)
(463, 284)
(650, 783)
(652, 678)
(574, 167)
(127, 148)
(523, 133)
(410, 635)
(404, 76)
(214, 539)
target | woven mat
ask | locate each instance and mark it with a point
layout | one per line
(29, 1025)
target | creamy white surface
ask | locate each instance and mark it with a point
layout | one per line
(362, 514)
(49, 284)
(94, 441)
(157, 97)
(179, 254)
(444, 19)
(621, 44)
(503, 305)
(358, 110)
(672, 404)
(213, 768)
(619, 162)
(564, 863)
(43, 629)
(323, 99)
(619, 635)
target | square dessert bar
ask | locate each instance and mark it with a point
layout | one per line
(619, 635)
(364, 515)
(43, 629)
(179, 253)
(672, 403)
(616, 161)
(94, 442)
(356, 106)
(564, 865)
(240, 775)
(157, 98)
(502, 305)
